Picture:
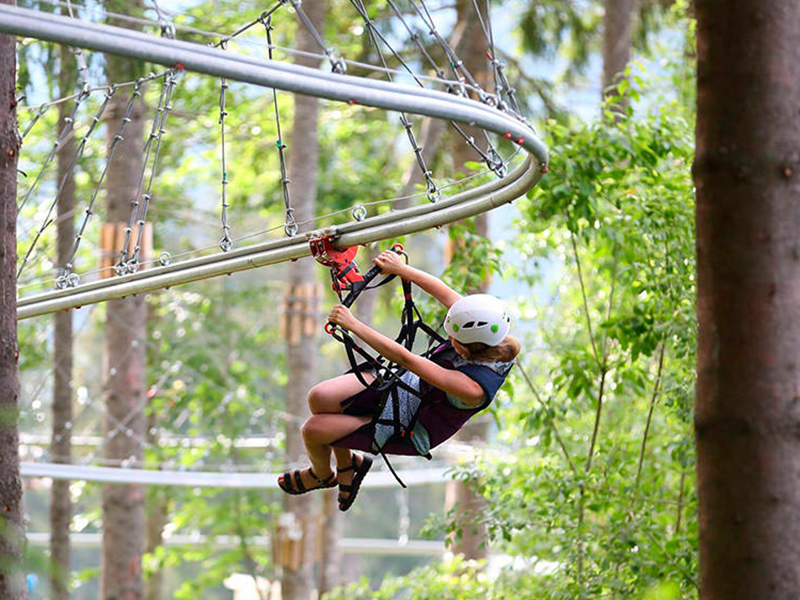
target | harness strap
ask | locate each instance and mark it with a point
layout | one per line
(391, 468)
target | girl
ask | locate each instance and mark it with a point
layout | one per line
(458, 380)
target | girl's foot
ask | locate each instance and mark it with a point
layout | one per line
(301, 481)
(350, 478)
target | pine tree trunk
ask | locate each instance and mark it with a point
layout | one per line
(157, 517)
(123, 505)
(747, 417)
(330, 534)
(61, 442)
(12, 583)
(617, 29)
(302, 307)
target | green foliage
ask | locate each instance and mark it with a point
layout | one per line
(617, 213)
(591, 491)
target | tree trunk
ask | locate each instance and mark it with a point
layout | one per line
(302, 307)
(123, 505)
(470, 44)
(61, 442)
(617, 29)
(330, 533)
(747, 416)
(12, 583)
(156, 519)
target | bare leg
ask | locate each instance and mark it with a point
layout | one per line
(327, 396)
(327, 425)
(318, 432)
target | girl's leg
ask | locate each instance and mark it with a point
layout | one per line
(327, 396)
(345, 458)
(318, 432)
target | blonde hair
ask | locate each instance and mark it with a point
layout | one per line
(505, 351)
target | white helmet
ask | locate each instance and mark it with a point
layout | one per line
(478, 318)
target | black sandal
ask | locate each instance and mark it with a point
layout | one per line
(295, 487)
(352, 489)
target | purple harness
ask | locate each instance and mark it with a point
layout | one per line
(436, 414)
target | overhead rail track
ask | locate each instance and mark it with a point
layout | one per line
(300, 80)
(258, 481)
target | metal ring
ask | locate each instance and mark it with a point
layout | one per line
(291, 228)
(164, 259)
(434, 193)
(226, 244)
(360, 212)
(132, 266)
(73, 279)
(338, 66)
(61, 283)
(120, 269)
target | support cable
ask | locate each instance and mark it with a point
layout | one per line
(222, 43)
(73, 161)
(432, 191)
(39, 113)
(67, 277)
(80, 58)
(337, 64)
(68, 123)
(166, 25)
(268, 230)
(491, 156)
(129, 261)
(226, 244)
(290, 225)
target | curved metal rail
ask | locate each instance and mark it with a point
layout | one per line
(379, 479)
(301, 80)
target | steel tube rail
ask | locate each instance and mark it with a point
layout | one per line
(369, 546)
(289, 77)
(414, 211)
(298, 79)
(282, 250)
(265, 481)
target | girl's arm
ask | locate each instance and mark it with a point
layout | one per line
(390, 262)
(451, 382)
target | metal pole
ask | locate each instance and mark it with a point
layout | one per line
(294, 78)
(262, 481)
(298, 79)
(391, 217)
(364, 232)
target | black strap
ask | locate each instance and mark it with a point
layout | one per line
(391, 468)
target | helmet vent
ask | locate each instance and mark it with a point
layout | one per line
(469, 325)
(482, 323)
